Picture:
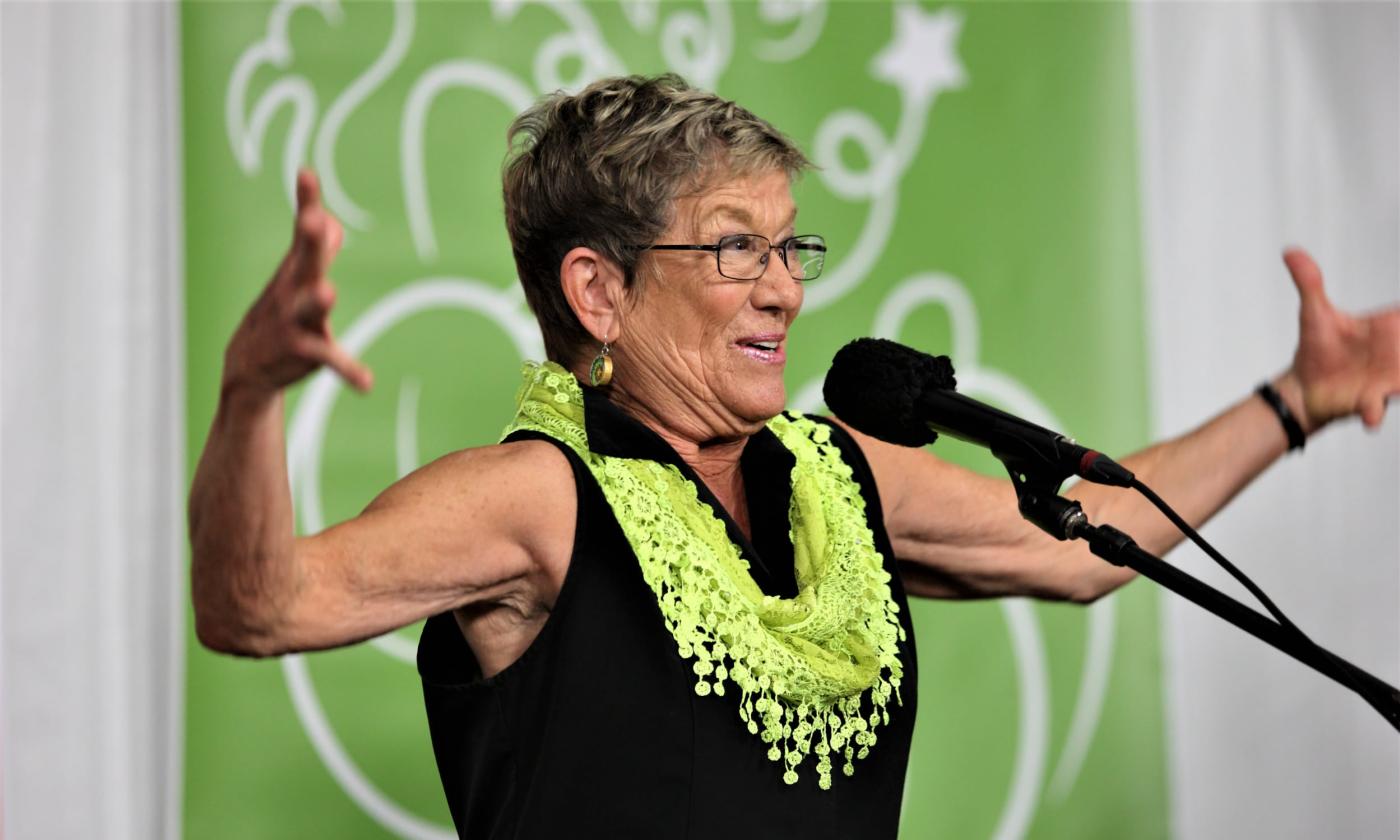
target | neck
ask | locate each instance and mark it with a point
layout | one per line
(714, 458)
(711, 446)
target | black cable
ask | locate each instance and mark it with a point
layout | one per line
(1342, 671)
(1196, 538)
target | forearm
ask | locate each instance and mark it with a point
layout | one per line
(1197, 474)
(959, 536)
(241, 523)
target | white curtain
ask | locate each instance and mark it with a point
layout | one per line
(93, 603)
(1264, 125)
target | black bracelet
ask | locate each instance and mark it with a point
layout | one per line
(1296, 438)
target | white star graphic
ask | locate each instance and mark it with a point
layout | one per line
(921, 60)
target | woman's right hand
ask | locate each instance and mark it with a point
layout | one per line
(286, 334)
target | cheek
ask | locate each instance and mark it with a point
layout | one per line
(691, 316)
(725, 304)
(708, 319)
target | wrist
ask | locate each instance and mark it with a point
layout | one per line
(242, 396)
(1290, 421)
(1290, 390)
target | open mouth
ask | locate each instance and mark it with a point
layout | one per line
(763, 349)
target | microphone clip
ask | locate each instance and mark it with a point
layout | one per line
(1039, 500)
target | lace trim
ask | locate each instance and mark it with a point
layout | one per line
(816, 672)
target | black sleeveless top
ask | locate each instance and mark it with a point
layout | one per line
(596, 730)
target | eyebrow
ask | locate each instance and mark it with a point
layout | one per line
(742, 216)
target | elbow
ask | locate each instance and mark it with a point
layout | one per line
(233, 637)
(246, 625)
(1101, 582)
(224, 627)
(1077, 576)
(1063, 591)
(1086, 595)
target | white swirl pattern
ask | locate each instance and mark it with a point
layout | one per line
(811, 18)
(582, 41)
(344, 105)
(246, 136)
(698, 47)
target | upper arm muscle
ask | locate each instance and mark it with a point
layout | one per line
(473, 527)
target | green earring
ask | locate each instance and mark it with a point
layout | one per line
(600, 372)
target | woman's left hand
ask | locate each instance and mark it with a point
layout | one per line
(1344, 364)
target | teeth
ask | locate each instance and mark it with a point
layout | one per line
(765, 345)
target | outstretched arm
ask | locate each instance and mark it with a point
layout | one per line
(240, 511)
(958, 534)
(448, 535)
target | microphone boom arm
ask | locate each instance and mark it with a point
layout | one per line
(1037, 494)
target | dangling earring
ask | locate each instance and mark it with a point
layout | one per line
(600, 372)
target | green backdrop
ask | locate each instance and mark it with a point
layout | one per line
(978, 188)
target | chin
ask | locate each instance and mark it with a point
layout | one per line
(762, 403)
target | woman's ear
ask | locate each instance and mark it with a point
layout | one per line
(593, 286)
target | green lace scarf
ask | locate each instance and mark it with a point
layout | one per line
(815, 673)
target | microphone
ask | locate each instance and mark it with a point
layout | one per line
(906, 397)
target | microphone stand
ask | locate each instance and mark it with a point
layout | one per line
(1037, 493)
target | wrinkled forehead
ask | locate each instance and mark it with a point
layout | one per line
(759, 202)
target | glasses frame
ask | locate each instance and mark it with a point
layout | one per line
(780, 247)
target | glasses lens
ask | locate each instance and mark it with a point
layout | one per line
(743, 256)
(805, 256)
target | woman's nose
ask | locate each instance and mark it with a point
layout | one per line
(776, 287)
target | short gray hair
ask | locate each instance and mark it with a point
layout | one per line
(602, 169)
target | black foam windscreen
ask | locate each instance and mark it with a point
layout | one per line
(875, 385)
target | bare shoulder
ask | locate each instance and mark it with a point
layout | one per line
(957, 533)
(921, 491)
(509, 468)
(890, 464)
(481, 525)
(523, 491)
(480, 528)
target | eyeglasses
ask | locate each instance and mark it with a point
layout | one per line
(744, 256)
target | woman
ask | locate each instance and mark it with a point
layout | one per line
(662, 607)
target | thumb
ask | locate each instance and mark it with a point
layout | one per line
(1371, 406)
(352, 370)
(308, 189)
(1307, 278)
